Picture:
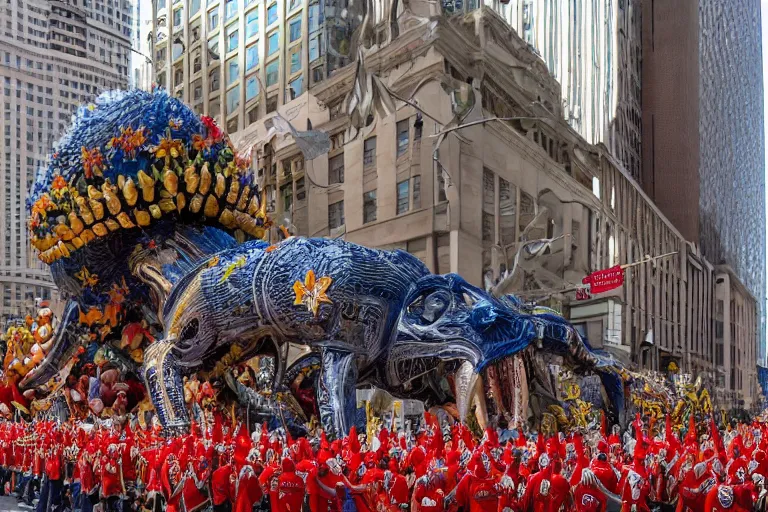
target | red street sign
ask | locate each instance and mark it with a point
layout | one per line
(605, 280)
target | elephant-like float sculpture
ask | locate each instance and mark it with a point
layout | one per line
(154, 229)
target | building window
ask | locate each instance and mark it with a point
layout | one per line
(231, 8)
(317, 74)
(286, 192)
(252, 57)
(336, 169)
(273, 42)
(253, 115)
(213, 79)
(194, 6)
(315, 47)
(272, 72)
(213, 49)
(489, 207)
(294, 4)
(402, 197)
(213, 19)
(271, 103)
(177, 17)
(271, 14)
(233, 99)
(402, 137)
(369, 152)
(369, 207)
(233, 71)
(336, 214)
(507, 212)
(294, 32)
(417, 126)
(252, 23)
(416, 192)
(295, 88)
(296, 59)
(301, 193)
(251, 87)
(232, 38)
(315, 17)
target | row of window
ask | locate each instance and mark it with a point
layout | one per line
(406, 190)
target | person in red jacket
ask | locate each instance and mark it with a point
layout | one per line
(478, 490)
(89, 484)
(290, 488)
(248, 490)
(222, 481)
(172, 483)
(321, 488)
(111, 478)
(547, 490)
(429, 491)
(195, 492)
(588, 495)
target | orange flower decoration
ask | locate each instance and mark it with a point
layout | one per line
(42, 206)
(92, 162)
(59, 183)
(311, 292)
(168, 148)
(199, 143)
(129, 141)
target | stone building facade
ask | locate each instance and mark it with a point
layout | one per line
(489, 188)
(735, 353)
(54, 56)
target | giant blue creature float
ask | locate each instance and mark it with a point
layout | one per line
(166, 226)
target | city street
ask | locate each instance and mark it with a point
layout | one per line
(9, 504)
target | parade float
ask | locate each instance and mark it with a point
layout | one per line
(181, 295)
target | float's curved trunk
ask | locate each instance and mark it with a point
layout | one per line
(63, 347)
(165, 386)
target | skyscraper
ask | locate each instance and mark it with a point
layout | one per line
(732, 165)
(703, 149)
(593, 48)
(55, 56)
(217, 55)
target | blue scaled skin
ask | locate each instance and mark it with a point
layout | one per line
(386, 321)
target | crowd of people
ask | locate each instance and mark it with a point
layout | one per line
(221, 467)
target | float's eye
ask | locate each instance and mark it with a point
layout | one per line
(429, 307)
(190, 330)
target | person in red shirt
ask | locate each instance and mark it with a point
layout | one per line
(547, 490)
(587, 493)
(194, 492)
(221, 485)
(172, 483)
(478, 491)
(111, 478)
(321, 485)
(429, 491)
(248, 489)
(290, 488)
(89, 485)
